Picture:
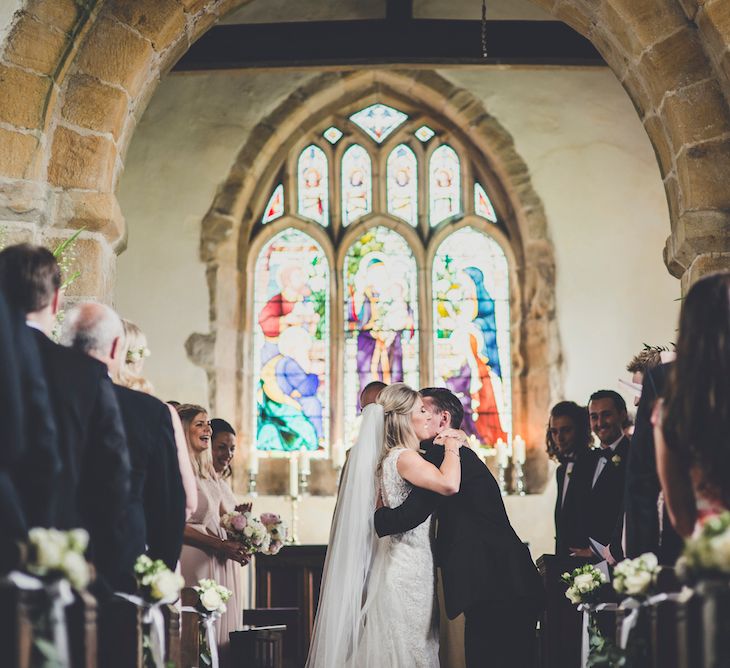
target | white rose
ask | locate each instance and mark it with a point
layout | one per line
(211, 600)
(49, 554)
(248, 531)
(573, 595)
(584, 583)
(638, 583)
(720, 546)
(650, 560)
(76, 569)
(166, 586)
(78, 540)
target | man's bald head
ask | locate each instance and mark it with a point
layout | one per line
(370, 392)
(96, 330)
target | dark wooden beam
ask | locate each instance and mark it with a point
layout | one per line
(397, 40)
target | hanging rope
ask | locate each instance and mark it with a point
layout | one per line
(484, 28)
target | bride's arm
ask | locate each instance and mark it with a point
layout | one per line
(420, 473)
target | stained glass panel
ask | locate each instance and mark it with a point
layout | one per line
(313, 185)
(381, 317)
(424, 133)
(275, 206)
(378, 120)
(357, 184)
(402, 184)
(332, 134)
(291, 344)
(471, 331)
(483, 205)
(444, 184)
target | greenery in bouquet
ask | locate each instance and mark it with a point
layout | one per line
(54, 553)
(247, 529)
(707, 554)
(636, 577)
(157, 582)
(212, 597)
(277, 531)
(584, 584)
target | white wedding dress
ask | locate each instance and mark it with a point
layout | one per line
(401, 614)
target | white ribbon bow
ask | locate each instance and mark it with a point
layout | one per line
(151, 615)
(629, 622)
(61, 596)
(208, 620)
(586, 609)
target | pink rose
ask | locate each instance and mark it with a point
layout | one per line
(239, 522)
(275, 546)
(269, 519)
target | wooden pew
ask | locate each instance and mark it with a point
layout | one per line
(81, 623)
(120, 634)
(258, 647)
(715, 623)
(16, 630)
(172, 634)
(189, 637)
(690, 652)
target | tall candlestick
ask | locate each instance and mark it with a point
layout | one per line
(253, 460)
(502, 457)
(304, 461)
(519, 449)
(293, 477)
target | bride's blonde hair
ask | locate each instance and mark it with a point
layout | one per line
(398, 401)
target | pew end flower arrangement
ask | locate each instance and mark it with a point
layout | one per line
(706, 555)
(211, 604)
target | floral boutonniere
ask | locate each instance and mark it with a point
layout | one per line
(616, 460)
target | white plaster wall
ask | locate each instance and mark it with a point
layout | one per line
(594, 168)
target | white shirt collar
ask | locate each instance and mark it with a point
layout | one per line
(34, 325)
(614, 445)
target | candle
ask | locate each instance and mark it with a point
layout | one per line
(519, 449)
(502, 458)
(293, 477)
(253, 460)
(304, 461)
(338, 457)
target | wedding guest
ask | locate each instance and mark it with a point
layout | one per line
(223, 442)
(693, 423)
(207, 552)
(569, 441)
(607, 415)
(94, 479)
(155, 515)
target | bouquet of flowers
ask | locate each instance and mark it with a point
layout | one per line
(635, 577)
(277, 531)
(212, 597)
(247, 530)
(158, 583)
(708, 552)
(584, 583)
(59, 553)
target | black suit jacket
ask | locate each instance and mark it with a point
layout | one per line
(481, 557)
(95, 470)
(642, 482)
(606, 498)
(571, 528)
(156, 510)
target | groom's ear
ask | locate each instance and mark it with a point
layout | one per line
(446, 416)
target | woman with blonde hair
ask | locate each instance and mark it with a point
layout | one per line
(377, 605)
(207, 552)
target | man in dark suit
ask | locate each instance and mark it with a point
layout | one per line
(487, 570)
(94, 478)
(568, 440)
(607, 415)
(156, 509)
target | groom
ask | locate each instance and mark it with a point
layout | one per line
(487, 570)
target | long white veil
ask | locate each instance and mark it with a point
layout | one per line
(351, 551)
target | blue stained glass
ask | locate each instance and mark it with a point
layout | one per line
(357, 184)
(472, 331)
(402, 184)
(291, 344)
(444, 184)
(378, 120)
(313, 185)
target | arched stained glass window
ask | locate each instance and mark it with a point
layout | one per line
(444, 183)
(275, 207)
(313, 185)
(381, 316)
(471, 331)
(291, 344)
(357, 184)
(483, 205)
(378, 120)
(402, 184)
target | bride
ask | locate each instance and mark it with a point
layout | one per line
(377, 605)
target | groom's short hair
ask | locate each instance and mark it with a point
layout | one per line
(445, 400)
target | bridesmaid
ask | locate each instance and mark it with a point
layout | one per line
(207, 553)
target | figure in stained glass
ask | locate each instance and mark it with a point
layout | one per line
(468, 357)
(356, 184)
(313, 185)
(444, 184)
(402, 184)
(292, 296)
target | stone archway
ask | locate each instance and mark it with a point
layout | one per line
(75, 76)
(225, 234)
